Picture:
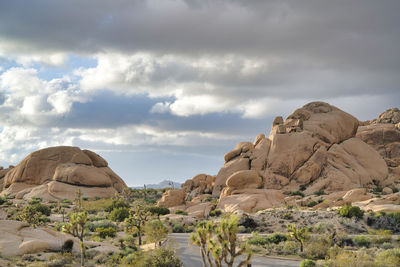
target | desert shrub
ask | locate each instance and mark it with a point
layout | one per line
(290, 247)
(130, 242)
(312, 204)
(340, 258)
(258, 240)
(320, 193)
(395, 189)
(215, 213)
(350, 211)
(307, 263)
(287, 216)
(35, 200)
(178, 228)
(119, 214)
(378, 189)
(115, 204)
(160, 257)
(158, 210)
(386, 246)
(44, 209)
(3, 200)
(362, 241)
(317, 247)
(181, 212)
(381, 236)
(386, 221)
(274, 238)
(390, 257)
(105, 232)
(92, 226)
(297, 193)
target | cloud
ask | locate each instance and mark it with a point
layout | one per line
(31, 100)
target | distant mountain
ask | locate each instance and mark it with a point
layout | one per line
(163, 184)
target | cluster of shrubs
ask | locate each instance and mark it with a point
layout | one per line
(105, 232)
(383, 220)
(274, 238)
(349, 211)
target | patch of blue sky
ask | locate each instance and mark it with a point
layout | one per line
(73, 62)
(6, 64)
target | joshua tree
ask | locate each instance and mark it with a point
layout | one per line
(220, 241)
(298, 234)
(155, 232)
(137, 219)
(76, 227)
(78, 199)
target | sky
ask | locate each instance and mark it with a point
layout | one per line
(163, 88)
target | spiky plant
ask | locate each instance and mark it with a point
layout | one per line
(298, 234)
(76, 227)
(220, 242)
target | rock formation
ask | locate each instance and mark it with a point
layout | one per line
(58, 172)
(17, 238)
(316, 148)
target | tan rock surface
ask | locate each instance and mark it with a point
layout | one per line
(227, 170)
(247, 179)
(290, 151)
(68, 165)
(260, 154)
(78, 174)
(352, 164)
(251, 201)
(171, 198)
(17, 238)
(200, 210)
(329, 123)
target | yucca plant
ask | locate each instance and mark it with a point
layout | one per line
(219, 243)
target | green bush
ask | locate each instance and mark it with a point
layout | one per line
(317, 247)
(35, 200)
(116, 203)
(312, 204)
(92, 226)
(3, 200)
(44, 209)
(390, 257)
(395, 189)
(350, 211)
(215, 213)
(105, 232)
(160, 257)
(158, 210)
(297, 193)
(119, 214)
(320, 193)
(362, 241)
(307, 263)
(178, 228)
(181, 212)
(274, 238)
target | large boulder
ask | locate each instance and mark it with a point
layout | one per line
(171, 198)
(327, 122)
(351, 164)
(238, 164)
(289, 151)
(240, 180)
(17, 238)
(251, 200)
(69, 166)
